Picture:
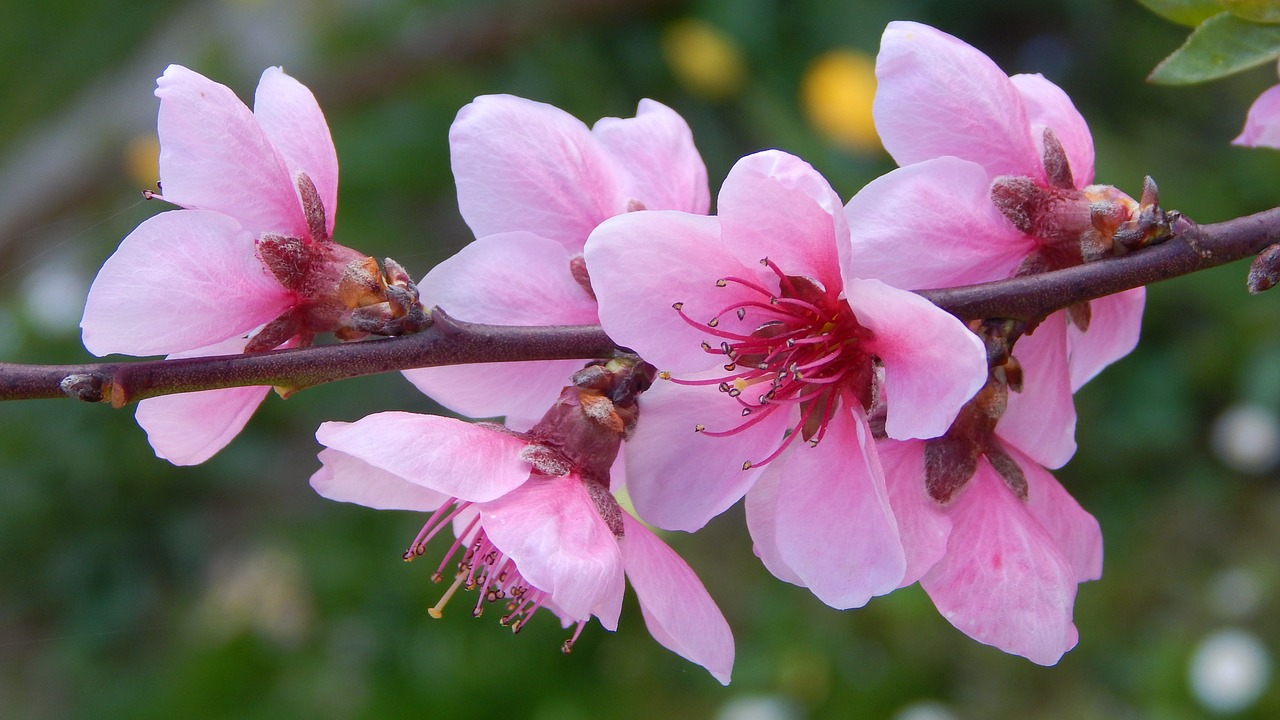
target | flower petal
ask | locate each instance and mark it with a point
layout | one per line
(1076, 532)
(677, 609)
(679, 478)
(1003, 581)
(680, 257)
(1048, 106)
(292, 120)
(551, 529)
(345, 478)
(776, 205)
(518, 392)
(936, 95)
(181, 280)
(524, 165)
(932, 225)
(1262, 125)
(933, 364)
(834, 527)
(460, 459)
(656, 150)
(508, 279)
(1114, 326)
(515, 278)
(189, 428)
(1041, 420)
(922, 524)
(761, 510)
(215, 156)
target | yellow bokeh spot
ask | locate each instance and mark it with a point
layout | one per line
(142, 160)
(837, 91)
(706, 61)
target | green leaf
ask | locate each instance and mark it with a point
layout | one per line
(1259, 11)
(1184, 12)
(1222, 45)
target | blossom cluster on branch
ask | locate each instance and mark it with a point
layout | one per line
(782, 351)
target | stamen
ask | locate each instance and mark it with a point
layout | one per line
(432, 526)
(786, 283)
(437, 611)
(745, 283)
(568, 644)
(797, 302)
(457, 543)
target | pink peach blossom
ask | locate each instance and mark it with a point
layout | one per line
(772, 352)
(532, 530)
(533, 182)
(1000, 561)
(956, 124)
(247, 264)
(1262, 125)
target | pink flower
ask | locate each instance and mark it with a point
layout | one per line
(533, 182)
(995, 182)
(773, 352)
(533, 529)
(1262, 126)
(994, 540)
(246, 265)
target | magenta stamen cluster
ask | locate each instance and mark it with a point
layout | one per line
(807, 347)
(483, 567)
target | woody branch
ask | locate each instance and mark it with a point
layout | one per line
(452, 342)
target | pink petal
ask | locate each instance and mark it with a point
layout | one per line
(1076, 532)
(922, 524)
(656, 150)
(1048, 106)
(679, 478)
(933, 364)
(1003, 581)
(189, 428)
(524, 165)
(678, 258)
(551, 529)
(936, 95)
(1114, 326)
(775, 205)
(932, 225)
(505, 279)
(618, 474)
(515, 278)
(677, 609)
(1041, 420)
(460, 459)
(292, 120)
(181, 280)
(215, 156)
(344, 478)
(1262, 125)
(834, 527)
(761, 509)
(519, 392)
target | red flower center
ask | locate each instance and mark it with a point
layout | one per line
(807, 350)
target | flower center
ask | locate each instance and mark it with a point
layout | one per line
(807, 350)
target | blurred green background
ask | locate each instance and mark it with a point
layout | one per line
(132, 589)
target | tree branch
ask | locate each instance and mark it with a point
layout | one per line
(453, 342)
(446, 342)
(1192, 248)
